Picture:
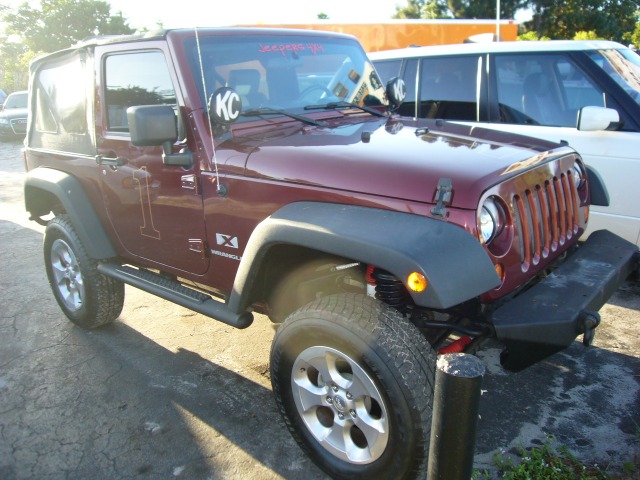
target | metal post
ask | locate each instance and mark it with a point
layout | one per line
(455, 416)
(497, 20)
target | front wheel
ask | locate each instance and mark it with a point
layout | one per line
(354, 381)
(87, 298)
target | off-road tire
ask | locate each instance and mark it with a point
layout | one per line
(88, 298)
(381, 372)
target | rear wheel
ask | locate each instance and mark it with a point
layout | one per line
(354, 381)
(86, 297)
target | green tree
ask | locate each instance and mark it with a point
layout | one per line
(462, 9)
(634, 36)
(59, 24)
(413, 10)
(610, 19)
(56, 24)
(531, 36)
(590, 35)
(428, 9)
(14, 65)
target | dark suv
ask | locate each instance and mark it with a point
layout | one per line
(13, 116)
(240, 170)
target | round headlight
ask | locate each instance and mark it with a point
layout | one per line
(578, 175)
(491, 220)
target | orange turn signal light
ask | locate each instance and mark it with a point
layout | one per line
(500, 271)
(416, 282)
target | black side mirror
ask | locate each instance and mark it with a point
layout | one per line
(151, 125)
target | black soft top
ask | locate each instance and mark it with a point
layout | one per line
(90, 42)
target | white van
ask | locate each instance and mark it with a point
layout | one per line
(584, 93)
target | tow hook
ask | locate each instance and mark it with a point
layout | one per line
(588, 324)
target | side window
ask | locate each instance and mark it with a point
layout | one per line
(578, 89)
(60, 104)
(448, 87)
(140, 78)
(387, 69)
(60, 118)
(543, 90)
(409, 75)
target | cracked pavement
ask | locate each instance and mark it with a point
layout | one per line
(167, 393)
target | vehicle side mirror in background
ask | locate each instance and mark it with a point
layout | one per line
(597, 118)
(396, 93)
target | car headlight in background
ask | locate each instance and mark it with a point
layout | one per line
(492, 220)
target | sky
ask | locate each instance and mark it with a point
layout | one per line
(199, 13)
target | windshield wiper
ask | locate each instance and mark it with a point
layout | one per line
(336, 105)
(256, 112)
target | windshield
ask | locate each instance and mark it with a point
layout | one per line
(16, 100)
(286, 72)
(623, 66)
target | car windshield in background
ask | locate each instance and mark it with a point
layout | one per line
(286, 73)
(16, 100)
(623, 66)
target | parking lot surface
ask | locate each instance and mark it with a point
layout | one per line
(167, 393)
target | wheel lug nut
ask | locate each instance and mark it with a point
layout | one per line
(349, 396)
(329, 399)
(334, 387)
(341, 416)
(352, 412)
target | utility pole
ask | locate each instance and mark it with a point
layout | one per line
(497, 20)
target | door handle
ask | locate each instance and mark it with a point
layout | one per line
(113, 162)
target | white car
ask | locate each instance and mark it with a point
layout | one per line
(584, 93)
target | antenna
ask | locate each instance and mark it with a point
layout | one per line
(219, 188)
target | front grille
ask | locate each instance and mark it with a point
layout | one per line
(546, 217)
(19, 125)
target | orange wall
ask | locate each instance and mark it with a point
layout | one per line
(401, 34)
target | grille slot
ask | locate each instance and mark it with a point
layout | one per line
(546, 217)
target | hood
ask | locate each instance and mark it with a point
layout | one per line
(395, 158)
(12, 113)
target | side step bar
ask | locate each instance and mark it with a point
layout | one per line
(177, 293)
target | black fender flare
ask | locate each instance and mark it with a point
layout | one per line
(599, 195)
(69, 191)
(454, 262)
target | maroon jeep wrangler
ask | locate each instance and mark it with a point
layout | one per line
(241, 170)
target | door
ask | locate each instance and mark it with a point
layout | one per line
(155, 209)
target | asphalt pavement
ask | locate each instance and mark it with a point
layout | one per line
(166, 393)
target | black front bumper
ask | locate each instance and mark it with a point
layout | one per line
(547, 318)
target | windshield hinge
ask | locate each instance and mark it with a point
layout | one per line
(443, 195)
(190, 182)
(197, 245)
